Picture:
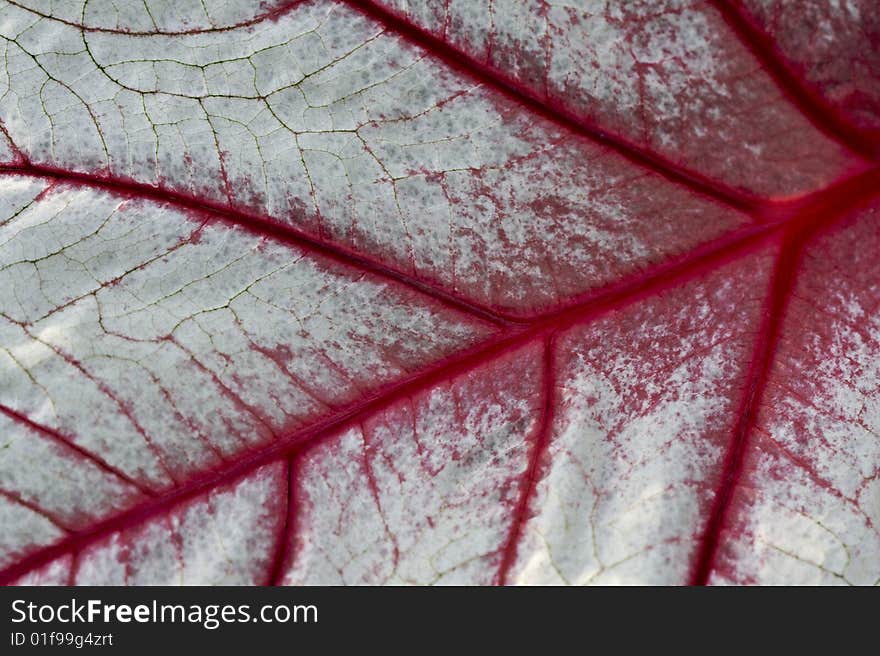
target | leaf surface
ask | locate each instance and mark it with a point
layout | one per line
(385, 292)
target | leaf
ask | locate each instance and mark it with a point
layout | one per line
(416, 292)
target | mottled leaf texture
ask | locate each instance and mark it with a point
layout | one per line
(439, 291)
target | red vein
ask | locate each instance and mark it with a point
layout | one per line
(262, 225)
(73, 571)
(279, 557)
(53, 519)
(532, 474)
(756, 382)
(819, 112)
(68, 443)
(553, 111)
(824, 211)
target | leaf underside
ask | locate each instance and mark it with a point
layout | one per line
(456, 292)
